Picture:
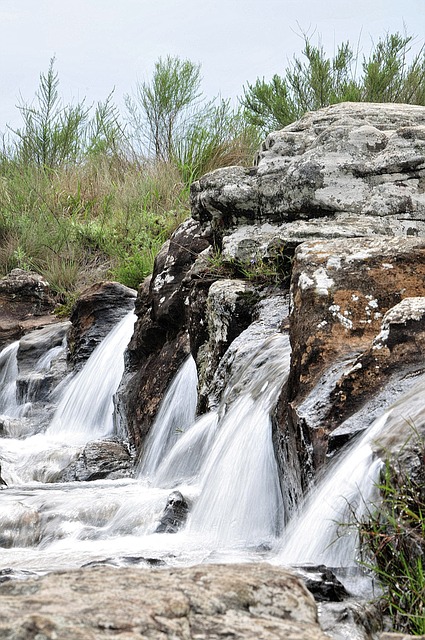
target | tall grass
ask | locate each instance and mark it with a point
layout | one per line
(80, 201)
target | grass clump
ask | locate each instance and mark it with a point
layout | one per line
(393, 536)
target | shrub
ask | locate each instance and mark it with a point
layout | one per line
(317, 81)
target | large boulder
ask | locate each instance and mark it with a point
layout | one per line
(210, 601)
(348, 170)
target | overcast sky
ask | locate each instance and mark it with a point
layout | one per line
(104, 44)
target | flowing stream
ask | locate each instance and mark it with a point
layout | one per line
(223, 463)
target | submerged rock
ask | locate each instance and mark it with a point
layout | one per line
(98, 460)
(174, 515)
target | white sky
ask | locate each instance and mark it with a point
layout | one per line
(104, 44)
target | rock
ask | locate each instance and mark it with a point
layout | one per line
(98, 460)
(41, 362)
(350, 620)
(322, 583)
(26, 303)
(209, 601)
(353, 158)
(96, 312)
(174, 515)
(341, 290)
(230, 307)
(160, 342)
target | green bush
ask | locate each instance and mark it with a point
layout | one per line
(317, 80)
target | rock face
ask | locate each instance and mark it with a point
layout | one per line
(95, 313)
(160, 343)
(209, 601)
(337, 201)
(26, 303)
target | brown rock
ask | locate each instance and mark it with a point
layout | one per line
(26, 303)
(256, 601)
(160, 342)
(96, 312)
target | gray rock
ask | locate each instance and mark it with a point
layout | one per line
(174, 515)
(243, 602)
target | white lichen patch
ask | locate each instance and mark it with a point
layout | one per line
(335, 310)
(387, 265)
(334, 262)
(304, 282)
(322, 324)
(162, 279)
(323, 282)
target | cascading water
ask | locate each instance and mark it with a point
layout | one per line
(323, 531)
(223, 463)
(85, 411)
(240, 501)
(8, 377)
(175, 415)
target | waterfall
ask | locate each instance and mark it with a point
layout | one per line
(240, 501)
(8, 378)
(175, 415)
(85, 411)
(323, 531)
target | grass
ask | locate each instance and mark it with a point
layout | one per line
(393, 536)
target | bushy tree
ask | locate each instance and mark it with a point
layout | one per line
(54, 134)
(171, 121)
(317, 80)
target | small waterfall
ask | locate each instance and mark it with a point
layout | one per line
(323, 531)
(175, 415)
(182, 464)
(8, 378)
(85, 411)
(240, 501)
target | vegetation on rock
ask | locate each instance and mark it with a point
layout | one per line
(316, 81)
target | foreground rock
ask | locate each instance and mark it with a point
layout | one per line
(209, 601)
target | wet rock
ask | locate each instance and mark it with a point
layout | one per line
(96, 312)
(230, 309)
(322, 583)
(41, 362)
(174, 515)
(350, 620)
(98, 460)
(26, 303)
(209, 601)
(160, 342)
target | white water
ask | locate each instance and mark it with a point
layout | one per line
(175, 415)
(323, 531)
(223, 464)
(8, 377)
(86, 409)
(55, 526)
